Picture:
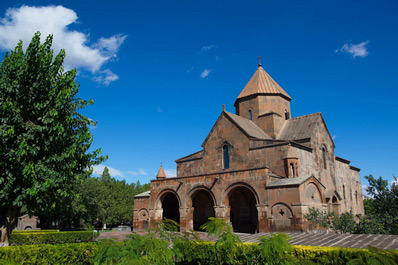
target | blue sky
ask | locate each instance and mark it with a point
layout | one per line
(159, 71)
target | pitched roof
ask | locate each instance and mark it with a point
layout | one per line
(292, 181)
(161, 174)
(299, 128)
(288, 181)
(248, 126)
(262, 83)
(144, 194)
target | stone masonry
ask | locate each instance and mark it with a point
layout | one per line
(260, 169)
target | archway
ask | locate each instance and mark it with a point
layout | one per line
(203, 208)
(171, 207)
(243, 213)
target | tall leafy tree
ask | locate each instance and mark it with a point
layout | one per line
(44, 140)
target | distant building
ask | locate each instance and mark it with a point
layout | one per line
(27, 223)
(260, 169)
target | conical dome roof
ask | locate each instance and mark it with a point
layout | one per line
(161, 174)
(262, 83)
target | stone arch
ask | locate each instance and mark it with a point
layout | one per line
(170, 202)
(160, 197)
(199, 188)
(282, 216)
(143, 218)
(236, 185)
(312, 193)
(242, 200)
(203, 202)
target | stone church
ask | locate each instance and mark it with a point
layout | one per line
(260, 169)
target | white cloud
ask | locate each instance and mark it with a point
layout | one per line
(364, 192)
(394, 181)
(98, 169)
(334, 137)
(190, 70)
(105, 77)
(207, 47)
(139, 172)
(205, 73)
(170, 173)
(355, 49)
(21, 24)
(159, 109)
(142, 172)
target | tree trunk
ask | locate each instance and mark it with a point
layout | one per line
(8, 221)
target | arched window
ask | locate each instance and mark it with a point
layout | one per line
(226, 156)
(250, 115)
(287, 115)
(291, 170)
(324, 157)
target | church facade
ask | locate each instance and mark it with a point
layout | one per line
(260, 169)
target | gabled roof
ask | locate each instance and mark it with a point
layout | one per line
(302, 127)
(262, 83)
(299, 128)
(144, 194)
(292, 181)
(248, 127)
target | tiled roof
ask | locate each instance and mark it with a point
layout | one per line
(248, 126)
(161, 174)
(144, 194)
(288, 181)
(300, 127)
(262, 83)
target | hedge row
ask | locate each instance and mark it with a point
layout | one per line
(52, 237)
(194, 252)
(191, 252)
(82, 253)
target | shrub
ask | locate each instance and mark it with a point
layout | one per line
(46, 254)
(27, 238)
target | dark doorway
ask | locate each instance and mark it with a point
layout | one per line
(203, 209)
(171, 207)
(243, 214)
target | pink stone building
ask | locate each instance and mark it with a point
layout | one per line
(259, 168)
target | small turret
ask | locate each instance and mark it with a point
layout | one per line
(161, 174)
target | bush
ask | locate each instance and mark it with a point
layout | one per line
(45, 254)
(26, 238)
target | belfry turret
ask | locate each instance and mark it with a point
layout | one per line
(264, 102)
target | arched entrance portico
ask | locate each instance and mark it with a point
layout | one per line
(171, 207)
(243, 210)
(203, 205)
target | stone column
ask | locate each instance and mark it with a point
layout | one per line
(155, 216)
(299, 221)
(222, 212)
(262, 212)
(186, 219)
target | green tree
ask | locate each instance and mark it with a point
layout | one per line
(382, 208)
(44, 140)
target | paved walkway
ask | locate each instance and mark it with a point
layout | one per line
(306, 239)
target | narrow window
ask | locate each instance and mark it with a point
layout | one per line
(226, 157)
(324, 157)
(287, 115)
(291, 170)
(344, 192)
(250, 115)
